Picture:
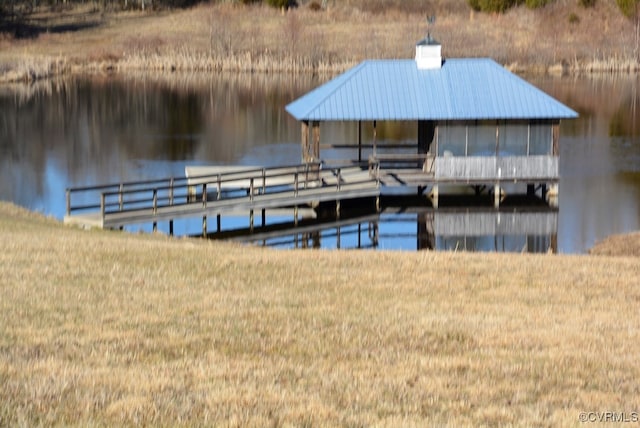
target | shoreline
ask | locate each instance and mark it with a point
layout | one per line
(259, 39)
(30, 70)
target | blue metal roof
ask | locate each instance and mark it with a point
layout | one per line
(463, 89)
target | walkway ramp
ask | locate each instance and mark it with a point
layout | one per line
(215, 191)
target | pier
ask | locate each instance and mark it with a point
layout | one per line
(217, 191)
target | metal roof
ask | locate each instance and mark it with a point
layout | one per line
(463, 89)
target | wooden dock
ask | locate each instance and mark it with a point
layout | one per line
(216, 191)
(213, 191)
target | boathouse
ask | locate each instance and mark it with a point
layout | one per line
(477, 123)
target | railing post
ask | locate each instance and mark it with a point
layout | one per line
(204, 195)
(120, 197)
(251, 189)
(306, 175)
(264, 181)
(339, 178)
(295, 184)
(102, 207)
(68, 194)
(219, 188)
(171, 183)
(155, 201)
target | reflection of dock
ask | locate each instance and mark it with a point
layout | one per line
(522, 229)
(310, 233)
(471, 222)
(517, 229)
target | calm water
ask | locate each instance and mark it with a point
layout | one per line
(82, 131)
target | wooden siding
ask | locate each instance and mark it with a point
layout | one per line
(496, 168)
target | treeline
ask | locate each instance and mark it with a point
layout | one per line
(22, 6)
(628, 7)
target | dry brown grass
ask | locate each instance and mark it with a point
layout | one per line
(225, 37)
(107, 328)
(618, 245)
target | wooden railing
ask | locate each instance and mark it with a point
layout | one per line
(423, 162)
(172, 191)
(497, 168)
(245, 186)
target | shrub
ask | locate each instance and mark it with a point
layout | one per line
(573, 18)
(535, 4)
(282, 3)
(587, 3)
(492, 5)
(315, 6)
(628, 7)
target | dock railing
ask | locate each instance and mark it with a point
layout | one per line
(182, 190)
(419, 162)
(145, 199)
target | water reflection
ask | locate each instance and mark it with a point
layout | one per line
(82, 131)
(523, 229)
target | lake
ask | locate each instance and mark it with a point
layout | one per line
(103, 129)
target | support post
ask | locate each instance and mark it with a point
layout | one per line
(316, 142)
(555, 138)
(359, 141)
(305, 141)
(375, 137)
(496, 195)
(204, 226)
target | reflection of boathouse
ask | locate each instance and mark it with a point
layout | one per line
(478, 123)
(530, 229)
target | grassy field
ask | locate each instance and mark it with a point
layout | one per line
(107, 329)
(562, 37)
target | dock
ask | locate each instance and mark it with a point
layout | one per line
(206, 192)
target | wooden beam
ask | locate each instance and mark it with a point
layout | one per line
(555, 137)
(305, 141)
(315, 149)
(359, 141)
(375, 136)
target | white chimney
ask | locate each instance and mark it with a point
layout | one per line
(428, 54)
